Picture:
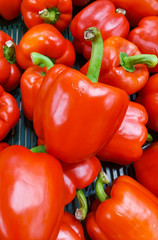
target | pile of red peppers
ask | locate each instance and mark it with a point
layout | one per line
(100, 112)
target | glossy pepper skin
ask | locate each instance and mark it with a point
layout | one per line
(10, 9)
(79, 175)
(70, 228)
(32, 203)
(74, 113)
(10, 72)
(130, 213)
(136, 10)
(145, 36)
(126, 145)
(146, 168)
(47, 40)
(56, 12)
(101, 14)
(9, 113)
(112, 73)
(148, 98)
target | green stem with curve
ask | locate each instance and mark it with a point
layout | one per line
(94, 35)
(101, 180)
(81, 212)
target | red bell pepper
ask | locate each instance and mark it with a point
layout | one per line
(32, 195)
(119, 67)
(56, 12)
(130, 212)
(126, 145)
(146, 168)
(148, 98)
(101, 14)
(77, 175)
(136, 10)
(10, 9)
(9, 113)
(29, 85)
(145, 37)
(71, 228)
(10, 73)
(80, 3)
(74, 113)
(47, 40)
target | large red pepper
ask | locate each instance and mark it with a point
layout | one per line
(47, 40)
(136, 10)
(32, 195)
(9, 113)
(56, 12)
(130, 212)
(119, 67)
(126, 145)
(10, 73)
(71, 228)
(79, 115)
(30, 83)
(101, 14)
(148, 98)
(10, 9)
(145, 37)
(146, 168)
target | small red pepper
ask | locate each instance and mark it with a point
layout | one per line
(122, 65)
(10, 9)
(130, 212)
(47, 40)
(58, 13)
(32, 195)
(77, 175)
(148, 98)
(126, 145)
(145, 36)
(136, 10)
(29, 85)
(10, 73)
(9, 113)
(71, 228)
(103, 15)
(79, 115)
(146, 168)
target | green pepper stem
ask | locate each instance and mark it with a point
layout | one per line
(9, 52)
(101, 180)
(81, 212)
(128, 62)
(41, 60)
(149, 138)
(50, 15)
(38, 149)
(94, 35)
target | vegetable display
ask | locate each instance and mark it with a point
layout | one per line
(78, 120)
